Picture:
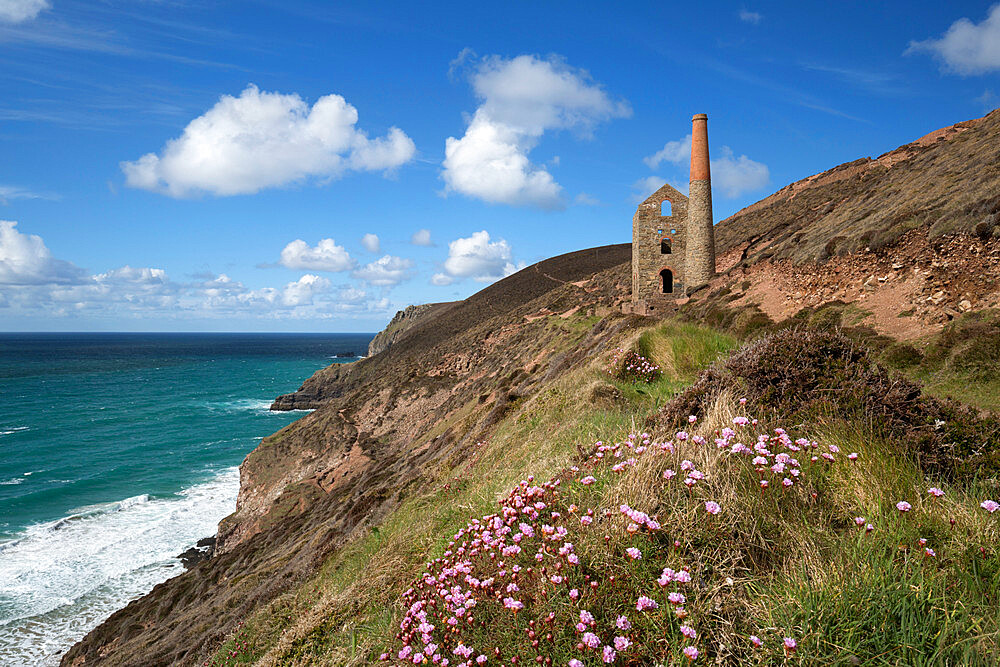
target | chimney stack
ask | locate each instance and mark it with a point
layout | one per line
(700, 262)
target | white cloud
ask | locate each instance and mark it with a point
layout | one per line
(521, 99)
(326, 256)
(672, 151)
(967, 48)
(734, 176)
(16, 11)
(302, 291)
(479, 258)
(731, 175)
(262, 140)
(583, 199)
(385, 271)
(421, 237)
(370, 242)
(441, 279)
(25, 260)
(33, 283)
(8, 192)
(750, 17)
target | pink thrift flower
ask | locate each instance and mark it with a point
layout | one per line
(922, 541)
(990, 506)
(756, 641)
(622, 623)
(622, 643)
(763, 484)
(586, 617)
(929, 552)
(588, 480)
(859, 520)
(936, 492)
(575, 663)
(692, 419)
(712, 507)
(634, 553)
(688, 631)
(590, 639)
(691, 652)
(743, 401)
(869, 528)
(608, 655)
(853, 456)
(644, 603)
(676, 598)
(790, 644)
(903, 506)
(787, 482)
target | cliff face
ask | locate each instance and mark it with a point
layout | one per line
(403, 322)
(380, 424)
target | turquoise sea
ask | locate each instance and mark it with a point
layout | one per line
(117, 453)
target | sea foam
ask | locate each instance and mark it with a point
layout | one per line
(60, 579)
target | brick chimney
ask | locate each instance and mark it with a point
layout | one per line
(700, 262)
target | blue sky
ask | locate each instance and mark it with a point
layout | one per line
(288, 166)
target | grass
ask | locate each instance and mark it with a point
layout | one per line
(776, 563)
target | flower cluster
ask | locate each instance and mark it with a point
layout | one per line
(529, 583)
(630, 366)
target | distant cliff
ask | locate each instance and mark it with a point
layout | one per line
(401, 323)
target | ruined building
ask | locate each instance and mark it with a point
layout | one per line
(673, 239)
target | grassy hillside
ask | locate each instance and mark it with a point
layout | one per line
(788, 560)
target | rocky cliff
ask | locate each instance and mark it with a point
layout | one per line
(380, 425)
(401, 323)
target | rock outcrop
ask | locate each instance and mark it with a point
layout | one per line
(403, 322)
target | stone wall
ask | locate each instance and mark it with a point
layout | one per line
(649, 228)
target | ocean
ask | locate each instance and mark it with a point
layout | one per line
(117, 453)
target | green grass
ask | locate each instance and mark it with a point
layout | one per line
(773, 564)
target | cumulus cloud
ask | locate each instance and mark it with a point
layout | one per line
(25, 260)
(672, 151)
(734, 175)
(326, 256)
(16, 11)
(966, 48)
(750, 17)
(263, 140)
(731, 175)
(421, 237)
(32, 282)
(441, 279)
(370, 242)
(479, 258)
(385, 271)
(520, 99)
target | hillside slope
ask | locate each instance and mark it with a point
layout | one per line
(382, 425)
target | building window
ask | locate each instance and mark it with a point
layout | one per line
(664, 246)
(665, 207)
(667, 281)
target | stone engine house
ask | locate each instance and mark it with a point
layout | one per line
(673, 237)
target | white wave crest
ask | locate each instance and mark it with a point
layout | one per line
(58, 580)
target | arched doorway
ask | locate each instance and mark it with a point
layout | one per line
(667, 281)
(665, 247)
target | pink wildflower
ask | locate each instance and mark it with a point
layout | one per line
(622, 643)
(608, 655)
(990, 506)
(575, 663)
(622, 623)
(691, 652)
(853, 456)
(688, 631)
(574, 594)
(590, 639)
(712, 507)
(588, 480)
(668, 474)
(929, 552)
(644, 603)
(692, 419)
(860, 520)
(676, 598)
(903, 506)
(634, 553)
(936, 492)
(756, 641)
(790, 645)
(763, 484)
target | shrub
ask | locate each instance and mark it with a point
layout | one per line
(901, 355)
(630, 366)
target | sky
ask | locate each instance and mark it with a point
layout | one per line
(305, 166)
